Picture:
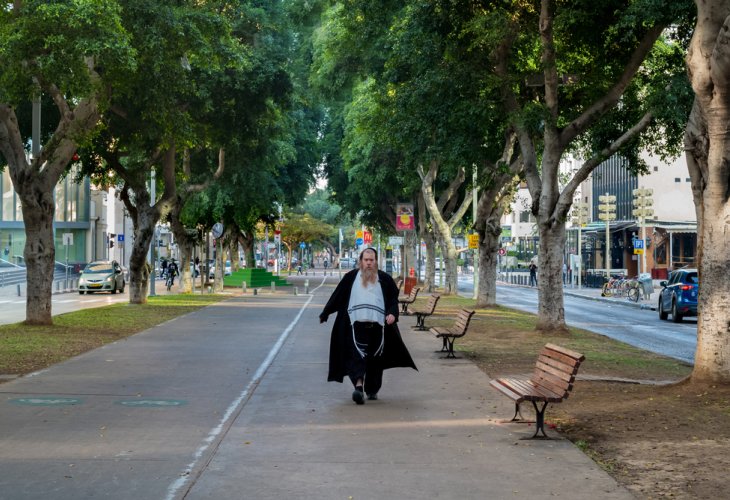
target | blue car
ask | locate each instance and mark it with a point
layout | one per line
(678, 296)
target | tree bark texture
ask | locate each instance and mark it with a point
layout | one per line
(707, 142)
(489, 232)
(139, 269)
(551, 309)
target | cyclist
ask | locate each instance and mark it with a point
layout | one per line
(172, 271)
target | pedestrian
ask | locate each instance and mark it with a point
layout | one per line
(164, 268)
(565, 273)
(365, 339)
(533, 274)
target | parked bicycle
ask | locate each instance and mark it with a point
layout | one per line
(619, 286)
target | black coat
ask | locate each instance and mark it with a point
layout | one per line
(395, 353)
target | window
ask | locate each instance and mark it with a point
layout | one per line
(526, 216)
(677, 179)
(656, 169)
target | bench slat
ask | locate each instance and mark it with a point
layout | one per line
(558, 364)
(530, 392)
(497, 384)
(553, 371)
(567, 352)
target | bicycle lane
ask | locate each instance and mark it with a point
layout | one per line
(134, 418)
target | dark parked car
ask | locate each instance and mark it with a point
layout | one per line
(102, 276)
(678, 296)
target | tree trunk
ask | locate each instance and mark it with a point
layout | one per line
(489, 232)
(245, 238)
(39, 252)
(707, 142)
(139, 269)
(233, 252)
(411, 241)
(35, 184)
(219, 266)
(551, 312)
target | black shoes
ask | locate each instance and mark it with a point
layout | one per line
(358, 396)
(372, 397)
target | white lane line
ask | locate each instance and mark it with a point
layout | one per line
(232, 410)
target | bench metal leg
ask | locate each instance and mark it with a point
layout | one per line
(450, 352)
(539, 421)
(420, 320)
(445, 347)
(517, 412)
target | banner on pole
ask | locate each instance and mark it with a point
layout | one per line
(404, 220)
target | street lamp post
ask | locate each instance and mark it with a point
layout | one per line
(607, 213)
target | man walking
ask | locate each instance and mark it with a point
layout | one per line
(365, 339)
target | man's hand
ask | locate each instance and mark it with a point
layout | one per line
(390, 319)
(322, 319)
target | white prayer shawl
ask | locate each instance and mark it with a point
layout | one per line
(368, 305)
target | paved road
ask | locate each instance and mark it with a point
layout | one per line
(231, 402)
(12, 306)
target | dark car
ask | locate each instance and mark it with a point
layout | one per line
(678, 296)
(102, 276)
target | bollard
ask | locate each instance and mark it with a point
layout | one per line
(306, 287)
(210, 289)
(243, 287)
(18, 289)
(296, 290)
(255, 291)
(58, 286)
(273, 286)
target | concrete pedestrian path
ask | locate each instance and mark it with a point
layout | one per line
(284, 432)
(435, 433)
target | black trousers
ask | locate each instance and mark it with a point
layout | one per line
(369, 339)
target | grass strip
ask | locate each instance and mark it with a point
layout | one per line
(25, 349)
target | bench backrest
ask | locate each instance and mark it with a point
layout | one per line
(414, 293)
(556, 368)
(431, 304)
(463, 317)
(399, 283)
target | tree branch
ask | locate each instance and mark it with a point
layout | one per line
(605, 103)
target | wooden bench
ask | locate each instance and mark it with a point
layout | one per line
(405, 300)
(551, 382)
(428, 310)
(450, 334)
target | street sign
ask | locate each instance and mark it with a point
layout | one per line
(473, 241)
(502, 251)
(302, 245)
(367, 237)
(638, 247)
(217, 230)
(359, 241)
(120, 238)
(395, 241)
(68, 238)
